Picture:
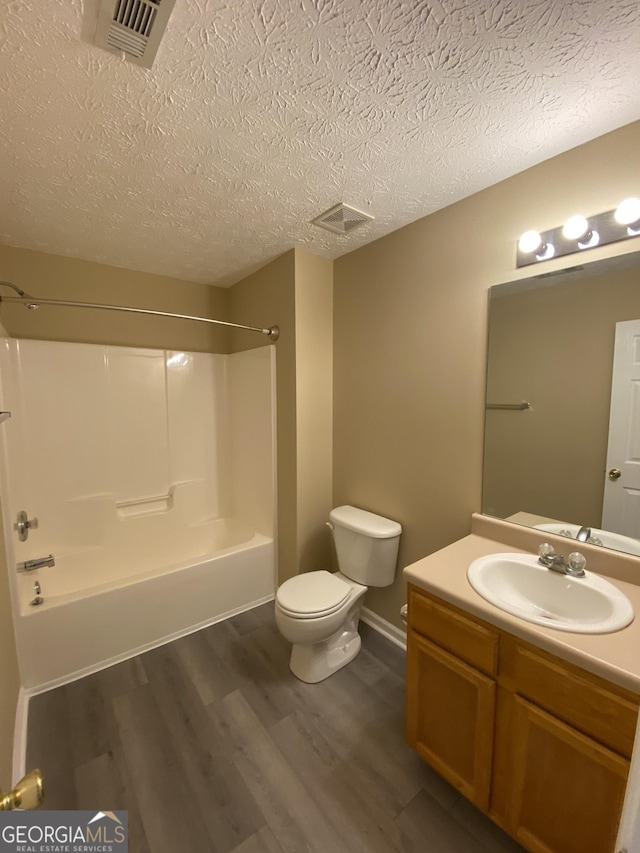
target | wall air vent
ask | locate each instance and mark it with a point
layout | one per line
(133, 27)
(341, 219)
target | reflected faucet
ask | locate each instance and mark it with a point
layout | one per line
(584, 534)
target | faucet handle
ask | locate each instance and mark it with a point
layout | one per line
(577, 562)
(546, 550)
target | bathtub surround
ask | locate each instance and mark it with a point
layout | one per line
(295, 291)
(152, 475)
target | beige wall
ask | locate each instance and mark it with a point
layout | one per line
(55, 277)
(410, 343)
(295, 293)
(314, 409)
(553, 346)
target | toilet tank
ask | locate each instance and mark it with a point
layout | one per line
(366, 545)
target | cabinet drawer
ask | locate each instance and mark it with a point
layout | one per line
(474, 643)
(579, 698)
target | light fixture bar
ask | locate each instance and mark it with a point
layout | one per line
(578, 234)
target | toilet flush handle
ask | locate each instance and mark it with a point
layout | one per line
(329, 525)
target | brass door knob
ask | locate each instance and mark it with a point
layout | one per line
(27, 794)
(615, 473)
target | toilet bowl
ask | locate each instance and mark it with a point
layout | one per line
(318, 613)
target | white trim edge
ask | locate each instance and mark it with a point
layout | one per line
(19, 759)
(391, 632)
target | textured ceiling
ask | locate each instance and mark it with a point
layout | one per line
(258, 116)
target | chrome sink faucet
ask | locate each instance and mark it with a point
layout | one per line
(573, 565)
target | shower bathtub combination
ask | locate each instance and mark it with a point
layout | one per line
(151, 475)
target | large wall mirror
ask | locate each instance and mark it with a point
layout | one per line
(571, 459)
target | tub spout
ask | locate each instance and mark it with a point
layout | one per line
(38, 563)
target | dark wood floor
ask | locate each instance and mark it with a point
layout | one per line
(211, 744)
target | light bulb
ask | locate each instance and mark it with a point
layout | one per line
(628, 211)
(529, 242)
(575, 228)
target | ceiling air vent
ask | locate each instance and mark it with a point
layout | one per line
(134, 27)
(341, 219)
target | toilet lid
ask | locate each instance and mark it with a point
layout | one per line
(312, 594)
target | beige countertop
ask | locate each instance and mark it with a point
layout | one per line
(615, 656)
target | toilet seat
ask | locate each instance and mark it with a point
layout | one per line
(312, 594)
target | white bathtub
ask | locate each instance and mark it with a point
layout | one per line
(152, 475)
(83, 626)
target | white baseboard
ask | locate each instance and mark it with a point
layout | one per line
(391, 632)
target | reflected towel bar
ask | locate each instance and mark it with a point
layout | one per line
(514, 407)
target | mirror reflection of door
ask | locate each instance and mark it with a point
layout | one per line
(621, 508)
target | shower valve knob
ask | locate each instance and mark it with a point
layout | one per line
(24, 524)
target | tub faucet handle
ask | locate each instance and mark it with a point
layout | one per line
(24, 524)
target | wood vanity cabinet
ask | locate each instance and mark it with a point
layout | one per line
(538, 744)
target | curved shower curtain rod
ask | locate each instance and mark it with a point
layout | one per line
(273, 332)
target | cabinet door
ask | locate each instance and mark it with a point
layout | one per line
(450, 714)
(565, 790)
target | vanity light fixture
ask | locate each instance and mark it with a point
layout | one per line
(579, 233)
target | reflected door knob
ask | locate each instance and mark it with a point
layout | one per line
(615, 473)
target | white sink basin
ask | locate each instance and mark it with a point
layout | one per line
(607, 539)
(518, 584)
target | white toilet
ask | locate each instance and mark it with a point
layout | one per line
(319, 611)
